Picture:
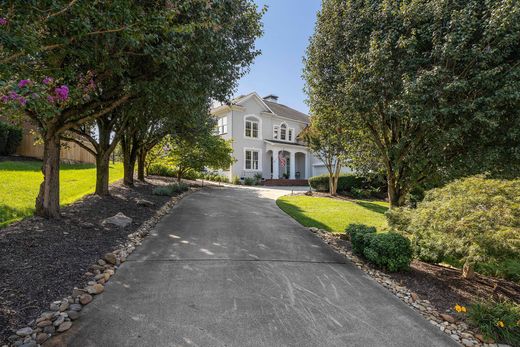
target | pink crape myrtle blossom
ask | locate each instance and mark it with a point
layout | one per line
(24, 83)
(3, 21)
(48, 80)
(62, 92)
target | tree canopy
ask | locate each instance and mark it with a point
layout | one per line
(431, 87)
(82, 60)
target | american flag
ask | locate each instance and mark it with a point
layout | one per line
(282, 159)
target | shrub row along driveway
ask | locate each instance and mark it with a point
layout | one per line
(228, 268)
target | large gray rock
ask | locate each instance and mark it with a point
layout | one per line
(119, 220)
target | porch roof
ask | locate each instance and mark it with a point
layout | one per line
(277, 142)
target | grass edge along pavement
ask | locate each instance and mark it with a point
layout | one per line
(333, 214)
(63, 312)
(21, 181)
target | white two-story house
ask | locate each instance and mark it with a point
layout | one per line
(265, 139)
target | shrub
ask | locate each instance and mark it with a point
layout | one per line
(358, 236)
(473, 220)
(10, 138)
(390, 251)
(258, 178)
(171, 189)
(161, 170)
(249, 181)
(369, 185)
(497, 320)
(236, 180)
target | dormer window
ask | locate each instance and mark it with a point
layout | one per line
(290, 135)
(276, 130)
(283, 132)
(252, 128)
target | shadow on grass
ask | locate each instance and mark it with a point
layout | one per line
(35, 166)
(9, 214)
(298, 214)
(372, 207)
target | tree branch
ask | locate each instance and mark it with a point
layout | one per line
(79, 143)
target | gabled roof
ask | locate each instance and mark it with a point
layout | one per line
(275, 108)
(287, 112)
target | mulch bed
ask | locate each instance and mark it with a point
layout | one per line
(42, 260)
(444, 287)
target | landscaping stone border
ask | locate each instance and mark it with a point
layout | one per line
(62, 313)
(449, 324)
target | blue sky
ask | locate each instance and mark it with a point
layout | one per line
(288, 24)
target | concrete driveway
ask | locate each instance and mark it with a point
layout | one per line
(228, 268)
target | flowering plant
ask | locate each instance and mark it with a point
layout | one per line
(46, 98)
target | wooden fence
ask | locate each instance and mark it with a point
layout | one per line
(70, 151)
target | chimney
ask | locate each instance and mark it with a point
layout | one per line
(271, 97)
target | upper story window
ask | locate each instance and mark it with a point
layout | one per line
(222, 126)
(252, 127)
(283, 132)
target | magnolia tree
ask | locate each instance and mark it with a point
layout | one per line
(429, 87)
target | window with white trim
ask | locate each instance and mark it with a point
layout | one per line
(283, 131)
(290, 135)
(276, 129)
(251, 162)
(252, 127)
(222, 126)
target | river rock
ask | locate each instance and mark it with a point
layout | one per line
(24, 331)
(64, 326)
(85, 299)
(110, 258)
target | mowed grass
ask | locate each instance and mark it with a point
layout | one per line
(20, 183)
(333, 214)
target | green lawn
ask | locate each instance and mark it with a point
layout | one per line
(20, 182)
(333, 214)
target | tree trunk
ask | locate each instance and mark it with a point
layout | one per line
(129, 169)
(140, 165)
(102, 174)
(128, 147)
(48, 199)
(331, 185)
(179, 175)
(396, 195)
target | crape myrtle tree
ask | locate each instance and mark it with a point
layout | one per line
(62, 60)
(328, 143)
(44, 66)
(431, 85)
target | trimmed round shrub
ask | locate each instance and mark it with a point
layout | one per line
(359, 235)
(389, 251)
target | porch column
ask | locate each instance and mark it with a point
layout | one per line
(307, 169)
(293, 165)
(276, 165)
